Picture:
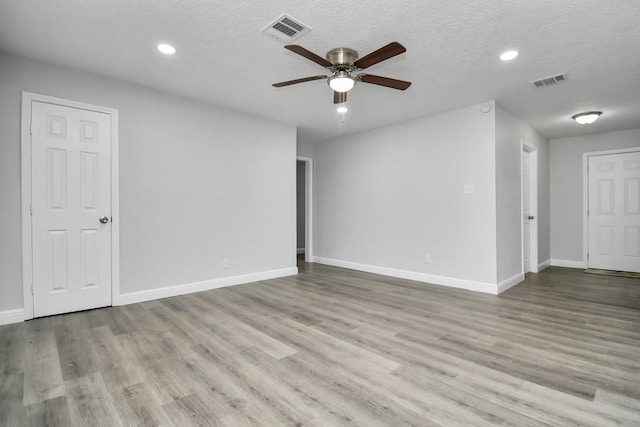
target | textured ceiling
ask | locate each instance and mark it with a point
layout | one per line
(452, 55)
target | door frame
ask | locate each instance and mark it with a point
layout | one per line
(534, 267)
(308, 207)
(585, 195)
(26, 187)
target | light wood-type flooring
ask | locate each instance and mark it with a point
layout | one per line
(335, 347)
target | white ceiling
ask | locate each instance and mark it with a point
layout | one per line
(452, 55)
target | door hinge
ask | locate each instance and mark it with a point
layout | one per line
(32, 289)
(31, 209)
(30, 128)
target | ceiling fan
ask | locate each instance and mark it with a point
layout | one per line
(342, 61)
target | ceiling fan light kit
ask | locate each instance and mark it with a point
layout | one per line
(342, 61)
(341, 82)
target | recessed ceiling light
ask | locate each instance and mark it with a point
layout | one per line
(167, 49)
(509, 55)
(342, 109)
(587, 118)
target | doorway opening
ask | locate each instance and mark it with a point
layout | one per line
(304, 207)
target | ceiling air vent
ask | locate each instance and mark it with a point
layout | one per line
(550, 80)
(286, 29)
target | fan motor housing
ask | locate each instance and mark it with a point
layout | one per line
(342, 56)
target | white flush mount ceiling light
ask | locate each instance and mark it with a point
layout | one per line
(342, 109)
(341, 82)
(509, 55)
(587, 118)
(167, 49)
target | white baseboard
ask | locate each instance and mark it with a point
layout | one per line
(188, 288)
(489, 288)
(11, 316)
(568, 263)
(544, 264)
(510, 282)
(300, 250)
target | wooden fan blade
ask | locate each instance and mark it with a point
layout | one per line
(296, 81)
(386, 52)
(384, 81)
(309, 55)
(339, 97)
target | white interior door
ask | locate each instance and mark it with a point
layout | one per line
(526, 212)
(71, 209)
(614, 212)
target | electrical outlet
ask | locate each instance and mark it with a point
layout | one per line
(469, 189)
(226, 263)
(427, 258)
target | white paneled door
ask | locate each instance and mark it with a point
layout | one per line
(614, 212)
(71, 209)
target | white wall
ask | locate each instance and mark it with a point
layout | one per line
(198, 183)
(567, 186)
(385, 198)
(509, 132)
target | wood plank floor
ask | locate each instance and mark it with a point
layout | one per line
(335, 347)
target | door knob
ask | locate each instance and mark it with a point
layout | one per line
(532, 217)
(104, 220)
